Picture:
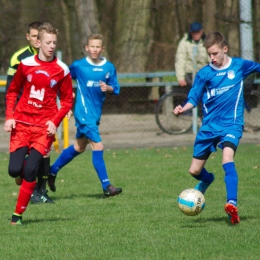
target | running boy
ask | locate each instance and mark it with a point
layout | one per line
(219, 86)
(34, 120)
(95, 77)
(40, 193)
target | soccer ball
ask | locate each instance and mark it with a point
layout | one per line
(191, 202)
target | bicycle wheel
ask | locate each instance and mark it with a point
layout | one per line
(167, 121)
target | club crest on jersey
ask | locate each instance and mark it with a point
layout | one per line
(107, 75)
(231, 74)
(29, 77)
(53, 83)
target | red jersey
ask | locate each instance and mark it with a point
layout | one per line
(41, 82)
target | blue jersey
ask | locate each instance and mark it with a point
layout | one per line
(90, 98)
(221, 93)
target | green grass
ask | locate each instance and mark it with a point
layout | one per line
(143, 222)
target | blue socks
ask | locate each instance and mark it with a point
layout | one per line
(204, 176)
(100, 167)
(97, 159)
(231, 180)
(66, 156)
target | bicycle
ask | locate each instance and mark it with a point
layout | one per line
(169, 123)
(166, 120)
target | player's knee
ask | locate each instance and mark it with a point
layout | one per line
(30, 173)
(80, 149)
(227, 157)
(14, 170)
(97, 146)
(100, 147)
(194, 171)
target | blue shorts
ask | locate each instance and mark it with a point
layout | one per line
(89, 131)
(207, 141)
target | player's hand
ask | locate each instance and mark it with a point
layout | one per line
(178, 110)
(70, 113)
(103, 86)
(51, 129)
(182, 83)
(9, 125)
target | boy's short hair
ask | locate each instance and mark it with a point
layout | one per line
(95, 36)
(215, 38)
(47, 28)
(34, 25)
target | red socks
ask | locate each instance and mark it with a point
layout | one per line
(26, 190)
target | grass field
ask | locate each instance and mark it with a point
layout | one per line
(143, 222)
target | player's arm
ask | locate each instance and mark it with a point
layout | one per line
(51, 127)
(112, 86)
(105, 87)
(13, 92)
(9, 125)
(11, 97)
(179, 109)
(13, 66)
(66, 99)
(8, 82)
(194, 95)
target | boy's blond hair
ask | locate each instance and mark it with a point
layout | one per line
(95, 36)
(46, 28)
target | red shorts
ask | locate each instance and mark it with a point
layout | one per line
(31, 136)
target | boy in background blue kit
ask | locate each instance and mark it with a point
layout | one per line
(95, 77)
(219, 86)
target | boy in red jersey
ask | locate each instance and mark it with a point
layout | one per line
(33, 121)
(40, 193)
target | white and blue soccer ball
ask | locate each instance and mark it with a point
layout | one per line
(191, 202)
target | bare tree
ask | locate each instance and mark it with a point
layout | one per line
(86, 18)
(208, 16)
(133, 42)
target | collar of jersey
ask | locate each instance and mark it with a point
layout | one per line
(32, 50)
(103, 61)
(226, 66)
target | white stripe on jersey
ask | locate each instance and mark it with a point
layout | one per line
(238, 97)
(82, 98)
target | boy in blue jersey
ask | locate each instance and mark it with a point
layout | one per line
(219, 86)
(95, 77)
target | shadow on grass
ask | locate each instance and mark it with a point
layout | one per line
(202, 221)
(80, 195)
(42, 220)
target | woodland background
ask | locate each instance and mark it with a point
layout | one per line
(141, 35)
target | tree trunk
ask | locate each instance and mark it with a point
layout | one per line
(208, 16)
(67, 22)
(133, 35)
(87, 19)
(232, 31)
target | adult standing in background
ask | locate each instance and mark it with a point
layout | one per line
(191, 55)
(25, 52)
